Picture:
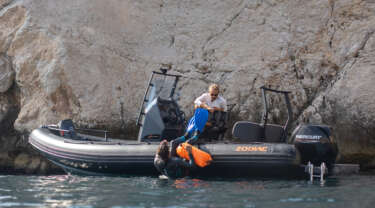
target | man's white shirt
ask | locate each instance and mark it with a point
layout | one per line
(219, 102)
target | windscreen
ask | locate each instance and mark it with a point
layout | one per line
(161, 87)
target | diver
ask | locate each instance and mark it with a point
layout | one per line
(173, 166)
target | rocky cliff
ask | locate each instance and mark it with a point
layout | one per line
(89, 60)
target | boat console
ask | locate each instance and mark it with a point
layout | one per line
(160, 117)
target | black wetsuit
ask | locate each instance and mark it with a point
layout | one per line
(193, 138)
(175, 167)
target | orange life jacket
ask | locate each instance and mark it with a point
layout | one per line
(201, 158)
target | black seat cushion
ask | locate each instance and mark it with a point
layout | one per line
(217, 128)
(247, 131)
(274, 133)
(254, 132)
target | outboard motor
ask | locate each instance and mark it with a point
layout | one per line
(315, 144)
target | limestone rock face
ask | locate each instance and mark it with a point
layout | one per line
(6, 74)
(349, 107)
(347, 102)
(89, 60)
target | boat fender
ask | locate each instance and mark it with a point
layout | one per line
(201, 158)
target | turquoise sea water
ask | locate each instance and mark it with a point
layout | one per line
(137, 192)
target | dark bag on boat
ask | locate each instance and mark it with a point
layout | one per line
(68, 126)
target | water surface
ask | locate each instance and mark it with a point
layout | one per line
(137, 192)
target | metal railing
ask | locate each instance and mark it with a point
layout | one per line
(80, 129)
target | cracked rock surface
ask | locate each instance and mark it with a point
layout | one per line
(89, 60)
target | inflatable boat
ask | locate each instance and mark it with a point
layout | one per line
(256, 149)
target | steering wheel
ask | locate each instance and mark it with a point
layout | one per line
(172, 115)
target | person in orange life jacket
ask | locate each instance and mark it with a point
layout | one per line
(171, 165)
(207, 102)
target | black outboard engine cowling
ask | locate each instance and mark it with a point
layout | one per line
(315, 144)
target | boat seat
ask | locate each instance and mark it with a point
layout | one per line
(247, 131)
(68, 125)
(253, 132)
(218, 127)
(274, 133)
